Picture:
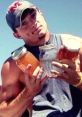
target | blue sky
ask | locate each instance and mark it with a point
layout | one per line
(62, 16)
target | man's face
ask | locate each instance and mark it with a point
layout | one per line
(33, 27)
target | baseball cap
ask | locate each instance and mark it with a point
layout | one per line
(14, 12)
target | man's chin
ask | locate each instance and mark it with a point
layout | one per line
(42, 36)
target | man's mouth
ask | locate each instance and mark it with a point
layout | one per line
(36, 30)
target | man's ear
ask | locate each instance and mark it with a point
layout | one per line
(16, 35)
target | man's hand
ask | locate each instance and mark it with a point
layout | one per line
(68, 71)
(34, 84)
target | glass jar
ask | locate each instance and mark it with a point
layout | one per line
(23, 57)
(47, 55)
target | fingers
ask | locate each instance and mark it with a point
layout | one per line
(38, 72)
(39, 76)
(59, 67)
(27, 79)
(66, 72)
(36, 76)
(54, 73)
(62, 66)
(66, 62)
(69, 62)
(57, 74)
(34, 83)
(63, 72)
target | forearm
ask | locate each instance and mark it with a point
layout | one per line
(16, 107)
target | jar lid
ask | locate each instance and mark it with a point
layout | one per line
(16, 54)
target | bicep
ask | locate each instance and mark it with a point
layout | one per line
(15, 107)
(10, 82)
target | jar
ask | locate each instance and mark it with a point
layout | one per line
(23, 57)
(47, 55)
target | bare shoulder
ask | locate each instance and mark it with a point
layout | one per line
(9, 72)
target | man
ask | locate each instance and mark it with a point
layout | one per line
(47, 98)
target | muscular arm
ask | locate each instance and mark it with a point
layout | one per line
(13, 101)
(17, 106)
(10, 80)
(11, 76)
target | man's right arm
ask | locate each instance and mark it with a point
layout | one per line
(13, 101)
(22, 100)
(17, 106)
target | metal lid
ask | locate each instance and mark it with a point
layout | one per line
(16, 54)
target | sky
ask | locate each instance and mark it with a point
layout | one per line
(62, 16)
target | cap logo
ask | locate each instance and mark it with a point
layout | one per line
(13, 6)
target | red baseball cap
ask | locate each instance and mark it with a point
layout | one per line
(14, 13)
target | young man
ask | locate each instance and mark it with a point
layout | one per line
(46, 98)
